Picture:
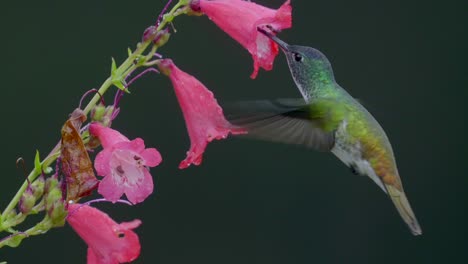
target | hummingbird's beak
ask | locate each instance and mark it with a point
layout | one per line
(284, 46)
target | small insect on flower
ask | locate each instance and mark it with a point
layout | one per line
(76, 165)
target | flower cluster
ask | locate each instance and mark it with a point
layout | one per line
(123, 166)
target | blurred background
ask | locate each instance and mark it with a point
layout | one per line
(252, 201)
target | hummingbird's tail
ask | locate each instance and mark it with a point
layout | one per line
(401, 203)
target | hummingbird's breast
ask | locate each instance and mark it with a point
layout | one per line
(361, 143)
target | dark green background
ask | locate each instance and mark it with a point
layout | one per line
(253, 202)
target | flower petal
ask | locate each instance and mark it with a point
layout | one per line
(137, 145)
(107, 136)
(110, 189)
(102, 161)
(139, 193)
(151, 156)
(131, 225)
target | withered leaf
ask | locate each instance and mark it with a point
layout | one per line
(76, 164)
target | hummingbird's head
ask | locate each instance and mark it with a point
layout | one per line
(308, 65)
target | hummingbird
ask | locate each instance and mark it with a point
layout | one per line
(327, 119)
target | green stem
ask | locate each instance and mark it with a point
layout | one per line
(129, 61)
(108, 83)
(170, 16)
(38, 229)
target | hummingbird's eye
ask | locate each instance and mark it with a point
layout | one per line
(298, 57)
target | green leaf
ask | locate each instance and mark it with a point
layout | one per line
(37, 163)
(119, 84)
(113, 67)
(3, 262)
(117, 80)
(129, 52)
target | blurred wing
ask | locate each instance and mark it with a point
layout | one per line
(284, 120)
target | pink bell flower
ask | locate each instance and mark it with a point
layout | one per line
(203, 116)
(124, 165)
(108, 242)
(240, 19)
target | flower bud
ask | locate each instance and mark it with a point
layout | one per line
(38, 187)
(159, 38)
(50, 184)
(57, 214)
(109, 115)
(55, 201)
(162, 37)
(98, 112)
(149, 34)
(104, 114)
(27, 201)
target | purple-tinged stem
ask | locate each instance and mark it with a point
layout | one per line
(88, 93)
(98, 201)
(140, 75)
(13, 235)
(162, 12)
(105, 200)
(24, 169)
(119, 94)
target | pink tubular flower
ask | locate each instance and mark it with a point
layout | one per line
(240, 19)
(123, 163)
(108, 242)
(203, 116)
